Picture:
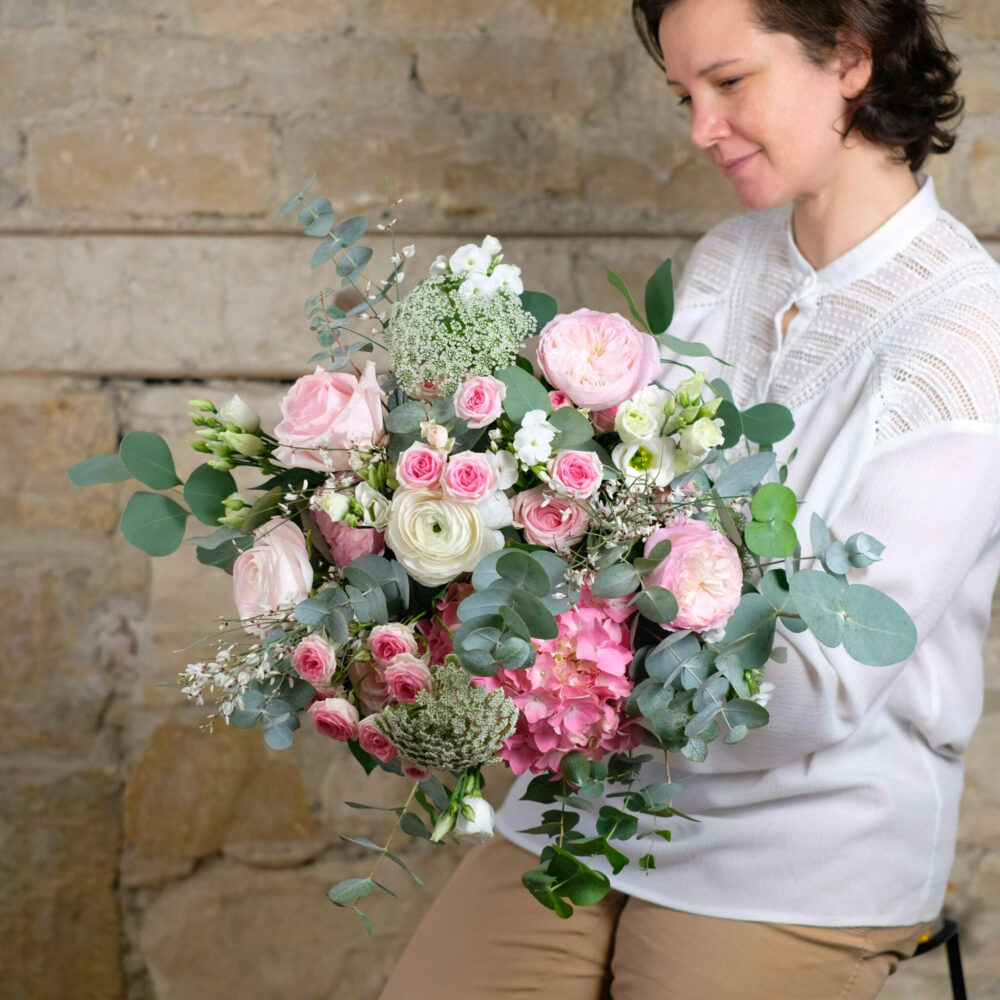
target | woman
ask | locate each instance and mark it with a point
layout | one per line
(850, 296)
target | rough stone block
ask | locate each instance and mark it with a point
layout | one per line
(984, 191)
(58, 916)
(192, 792)
(39, 73)
(980, 818)
(169, 165)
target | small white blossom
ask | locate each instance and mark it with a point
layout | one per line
(533, 442)
(763, 695)
(508, 276)
(492, 245)
(470, 258)
(409, 250)
(478, 285)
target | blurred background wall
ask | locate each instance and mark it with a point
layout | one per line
(145, 147)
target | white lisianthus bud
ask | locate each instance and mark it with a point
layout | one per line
(508, 276)
(690, 389)
(239, 414)
(243, 444)
(222, 464)
(469, 258)
(492, 245)
(637, 422)
(375, 505)
(478, 826)
(700, 436)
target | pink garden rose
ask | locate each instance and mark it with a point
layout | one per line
(438, 629)
(374, 741)
(598, 359)
(549, 519)
(558, 399)
(406, 677)
(315, 660)
(420, 467)
(469, 477)
(479, 401)
(336, 718)
(275, 573)
(386, 642)
(368, 682)
(703, 571)
(604, 420)
(578, 472)
(347, 543)
(325, 415)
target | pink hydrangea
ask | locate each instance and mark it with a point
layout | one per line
(573, 696)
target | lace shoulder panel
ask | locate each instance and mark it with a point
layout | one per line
(715, 259)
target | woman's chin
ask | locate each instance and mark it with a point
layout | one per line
(758, 198)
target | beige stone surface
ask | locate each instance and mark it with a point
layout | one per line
(60, 831)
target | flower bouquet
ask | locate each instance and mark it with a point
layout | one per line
(467, 560)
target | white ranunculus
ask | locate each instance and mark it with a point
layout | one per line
(478, 285)
(376, 506)
(637, 422)
(492, 245)
(506, 465)
(508, 276)
(701, 435)
(437, 539)
(470, 258)
(480, 827)
(496, 510)
(237, 413)
(648, 463)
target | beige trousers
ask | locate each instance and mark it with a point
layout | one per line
(486, 938)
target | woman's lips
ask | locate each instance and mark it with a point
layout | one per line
(731, 167)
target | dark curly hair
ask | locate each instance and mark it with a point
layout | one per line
(910, 103)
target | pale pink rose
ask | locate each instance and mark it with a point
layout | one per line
(416, 771)
(420, 467)
(479, 401)
(598, 359)
(469, 477)
(557, 399)
(374, 741)
(368, 682)
(347, 543)
(315, 660)
(604, 420)
(406, 677)
(579, 472)
(703, 571)
(275, 573)
(386, 642)
(336, 718)
(549, 519)
(325, 415)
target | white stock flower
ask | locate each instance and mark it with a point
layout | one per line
(648, 463)
(376, 506)
(477, 284)
(492, 245)
(533, 442)
(436, 539)
(637, 422)
(480, 827)
(496, 510)
(470, 258)
(506, 467)
(236, 412)
(508, 276)
(701, 435)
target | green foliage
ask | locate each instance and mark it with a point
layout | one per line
(575, 430)
(147, 457)
(204, 492)
(99, 469)
(294, 203)
(543, 307)
(619, 283)
(771, 533)
(617, 580)
(686, 348)
(741, 477)
(660, 298)
(524, 393)
(154, 523)
(767, 423)
(657, 604)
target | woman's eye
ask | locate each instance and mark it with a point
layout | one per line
(684, 101)
(731, 82)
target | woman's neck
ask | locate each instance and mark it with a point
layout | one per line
(867, 191)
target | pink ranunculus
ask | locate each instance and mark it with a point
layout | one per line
(604, 420)
(420, 467)
(315, 660)
(578, 472)
(703, 571)
(374, 741)
(469, 477)
(598, 359)
(479, 401)
(336, 718)
(438, 629)
(558, 399)
(327, 414)
(549, 519)
(386, 642)
(368, 682)
(347, 543)
(275, 573)
(406, 677)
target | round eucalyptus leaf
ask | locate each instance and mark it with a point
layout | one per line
(616, 580)
(771, 538)
(732, 423)
(524, 393)
(587, 887)
(523, 572)
(147, 457)
(204, 492)
(744, 712)
(820, 600)
(486, 602)
(773, 502)
(574, 428)
(515, 653)
(877, 631)
(657, 604)
(278, 737)
(539, 620)
(767, 423)
(154, 523)
(406, 418)
(750, 631)
(99, 469)
(863, 550)
(485, 574)
(835, 559)
(543, 307)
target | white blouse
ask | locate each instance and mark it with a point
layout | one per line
(843, 810)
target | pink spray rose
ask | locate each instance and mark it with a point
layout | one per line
(549, 519)
(469, 477)
(703, 571)
(347, 543)
(578, 472)
(438, 629)
(386, 642)
(336, 718)
(420, 467)
(479, 401)
(275, 573)
(406, 677)
(325, 415)
(315, 660)
(559, 399)
(374, 741)
(368, 681)
(598, 359)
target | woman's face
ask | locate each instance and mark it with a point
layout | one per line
(764, 114)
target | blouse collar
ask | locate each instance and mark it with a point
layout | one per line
(915, 216)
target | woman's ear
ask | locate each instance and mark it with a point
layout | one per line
(853, 60)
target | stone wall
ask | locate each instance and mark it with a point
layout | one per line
(145, 146)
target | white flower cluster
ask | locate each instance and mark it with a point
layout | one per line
(230, 674)
(533, 440)
(480, 269)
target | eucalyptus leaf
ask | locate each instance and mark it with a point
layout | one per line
(99, 469)
(616, 580)
(835, 559)
(524, 393)
(619, 283)
(543, 307)
(657, 604)
(407, 418)
(351, 889)
(147, 457)
(744, 712)
(324, 252)
(522, 571)
(732, 423)
(574, 428)
(154, 523)
(351, 230)
(877, 631)
(863, 550)
(660, 298)
(204, 492)
(686, 348)
(820, 600)
(741, 477)
(293, 203)
(767, 423)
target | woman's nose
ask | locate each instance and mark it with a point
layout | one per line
(707, 126)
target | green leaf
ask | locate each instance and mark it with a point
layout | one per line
(819, 535)
(574, 428)
(575, 767)
(749, 632)
(524, 572)
(543, 307)
(587, 887)
(617, 580)
(618, 283)
(863, 550)
(346, 892)
(524, 393)
(771, 538)
(223, 556)
(485, 602)
(773, 502)
(351, 230)
(660, 298)
(657, 604)
(354, 261)
(615, 824)
(742, 476)
(204, 492)
(147, 457)
(324, 252)
(686, 348)
(877, 631)
(820, 600)
(278, 737)
(536, 616)
(767, 423)
(744, 712)
(774, 587)
(154, 523)
(515, 653)
(542, 788)
(317, 217)
(264, 509)
(293, 203)
(99, 469)
(835, 559)
(406, 418)
(732, 423)
(411, 824)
